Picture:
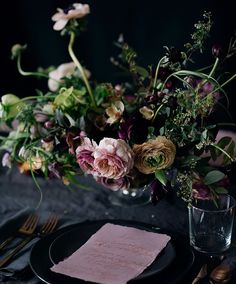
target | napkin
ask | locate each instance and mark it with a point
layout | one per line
(19, 267)
(113, 255)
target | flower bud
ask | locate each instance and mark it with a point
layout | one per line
(16, 50)
(49, 124)
(218, 50)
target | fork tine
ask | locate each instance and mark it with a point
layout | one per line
(50, 224)
(28, 220)
(34, 222)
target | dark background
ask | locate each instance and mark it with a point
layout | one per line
(147, 26)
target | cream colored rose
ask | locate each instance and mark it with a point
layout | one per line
(154, 155)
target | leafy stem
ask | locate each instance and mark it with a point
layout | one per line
(156, 73)
(79, 66)
(223, 151)
(214, 68)
(222, 85)
(24, 73)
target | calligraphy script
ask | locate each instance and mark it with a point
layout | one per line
(115, 254)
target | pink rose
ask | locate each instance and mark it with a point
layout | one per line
(113, 158)
(114, 184)
(85, 156)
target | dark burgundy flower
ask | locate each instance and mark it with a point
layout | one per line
(125, 129)
(163, 73)
(55, 170)
(174, 55)
(169, 84)
(72, 140)
(49, 124)
(158, 192)
(201, 191)
(218, 50)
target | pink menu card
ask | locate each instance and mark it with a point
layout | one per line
(113, 255)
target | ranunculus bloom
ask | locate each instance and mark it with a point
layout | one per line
(114, 184)
(113, 158)
(115, 112)
(62, 17)
(201, 191)
(154, 155)
(85, 156)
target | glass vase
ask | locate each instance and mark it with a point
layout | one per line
(130, 197)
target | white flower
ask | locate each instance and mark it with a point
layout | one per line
(63, 70)
(115, 112)
(77, 11)
(6, 160)
(1, 111)
(55, 76)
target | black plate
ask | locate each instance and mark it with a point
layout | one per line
(69, 242)
(40, 261)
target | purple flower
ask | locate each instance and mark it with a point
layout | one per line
(158, 191)
(55, 170)
(218, 50)
(114, 184)
(85, 156)
(125, 129)
(201, 191)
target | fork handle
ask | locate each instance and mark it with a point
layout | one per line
(9, 256)
(6, 242)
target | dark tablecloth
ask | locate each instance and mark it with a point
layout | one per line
(19, 191)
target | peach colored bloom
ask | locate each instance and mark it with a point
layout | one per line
(154, 155)
(113, 158)
(61, 18)
(34, 163)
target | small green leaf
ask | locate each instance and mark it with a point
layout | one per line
(213, 177)
(224, 141)
(221, 190)
(161, 176)
(142, 71)
(213, 153)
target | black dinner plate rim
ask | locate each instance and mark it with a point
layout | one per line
(49, 239)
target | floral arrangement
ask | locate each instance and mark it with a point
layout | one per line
(153, 129)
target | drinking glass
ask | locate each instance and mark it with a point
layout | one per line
(211, 223)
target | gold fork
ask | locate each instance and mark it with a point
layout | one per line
(26, 228)
(46, 228)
